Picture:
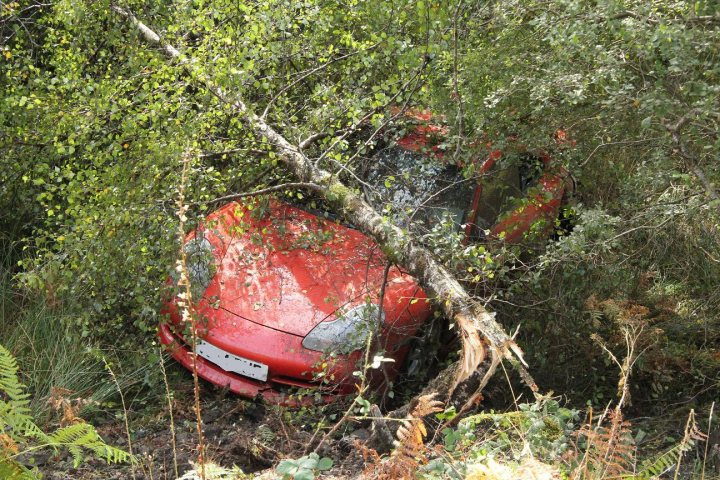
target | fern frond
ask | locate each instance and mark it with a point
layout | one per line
(663, 463)
(10, 470)
(15, 416)
(9, 383)
(83, 436)
(410, 447)
(672, 458)
(17, 424)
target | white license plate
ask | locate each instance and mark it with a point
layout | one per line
(232, 363)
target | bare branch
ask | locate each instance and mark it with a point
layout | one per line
(689, 158)
(310, 73)
(254, 151)
(636, 16)
(609, 144)
(312, 139)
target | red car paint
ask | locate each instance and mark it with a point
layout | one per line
(281, 273)
(275, 282)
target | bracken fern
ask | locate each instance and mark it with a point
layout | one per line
(20, 435)
(671, 459)
(15, 418)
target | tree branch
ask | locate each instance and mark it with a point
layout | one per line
(690, 160)
(254, 151)
(308, 74)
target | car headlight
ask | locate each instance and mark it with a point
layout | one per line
(201, 269)
(347, 333)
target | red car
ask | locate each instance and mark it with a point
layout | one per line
(289, 299)
(289, 296)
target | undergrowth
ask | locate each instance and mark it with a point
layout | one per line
(60, 368)
(21, 436)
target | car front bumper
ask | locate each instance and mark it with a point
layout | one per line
(271, 391)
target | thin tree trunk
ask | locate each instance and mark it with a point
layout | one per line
(471, 318)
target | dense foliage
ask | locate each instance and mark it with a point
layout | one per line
(21, 436)
(624, 93)
(635, 88)
(97, 193)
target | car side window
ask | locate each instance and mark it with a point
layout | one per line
(500, 186)
(530, 169)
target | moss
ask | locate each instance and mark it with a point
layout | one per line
(391, 254)
(337, 192)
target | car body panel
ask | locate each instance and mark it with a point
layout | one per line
(266, 296)
(303, 270)
(539, 209)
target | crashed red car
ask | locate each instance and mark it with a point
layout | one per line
(506, 197)
(290, 299)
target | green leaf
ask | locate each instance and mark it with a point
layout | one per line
(304, 475)
(286, 467)
(309, 462)
(325, 463)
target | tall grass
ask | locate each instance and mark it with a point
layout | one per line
(50, 353)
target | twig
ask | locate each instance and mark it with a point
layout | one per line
(629, 14)
(687, 437)
(312, 139)
(186, 306)
(263, 191)
(440, 192)
(690, 160)
(168, 396)
(608, 144)
(312, 72)
(254, 151)
(456, 91)
(363, 385)
(372, 112)
(707, 441)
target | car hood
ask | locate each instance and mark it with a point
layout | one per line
(288, 269)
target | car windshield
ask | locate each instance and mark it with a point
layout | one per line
(419, 189)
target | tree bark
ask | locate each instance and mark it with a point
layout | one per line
(471, 318)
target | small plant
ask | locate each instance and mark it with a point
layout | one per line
(304, 468)
(538, 431)
(211, 471)
(21, 436)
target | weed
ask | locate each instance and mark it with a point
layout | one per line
(304, 468)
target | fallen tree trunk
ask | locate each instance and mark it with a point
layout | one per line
(471, 318)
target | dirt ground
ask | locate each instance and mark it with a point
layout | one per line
(242, 433)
